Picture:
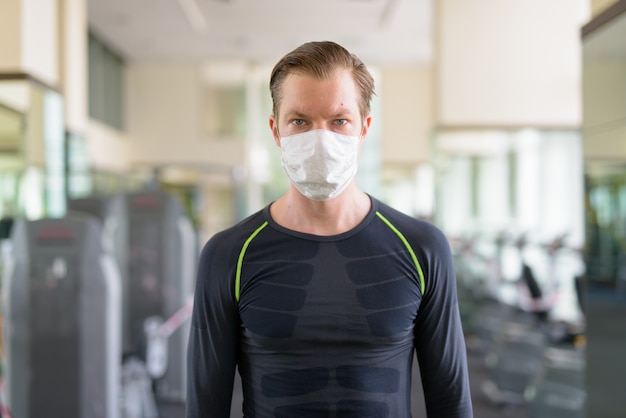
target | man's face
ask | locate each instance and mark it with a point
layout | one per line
(308, 104)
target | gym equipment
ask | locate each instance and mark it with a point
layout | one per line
(154, 244)
(111, 213)
(161, 263)
(62, 315)
(519, 336)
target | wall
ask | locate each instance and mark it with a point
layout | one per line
(508, 63)
(604, 91)
(604, 130)
(407, 113)
(605, 110)
(107, 148)
(164, 118)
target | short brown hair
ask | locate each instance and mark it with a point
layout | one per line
(322, 60)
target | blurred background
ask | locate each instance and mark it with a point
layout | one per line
(501, 122)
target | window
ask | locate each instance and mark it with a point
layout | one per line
(106, 84)
(225, 111)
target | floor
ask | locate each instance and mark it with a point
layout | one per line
(482, 407)
(606, 345)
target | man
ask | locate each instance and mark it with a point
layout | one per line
(321, 298)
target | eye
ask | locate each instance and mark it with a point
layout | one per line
(341, 121)
(298, 122)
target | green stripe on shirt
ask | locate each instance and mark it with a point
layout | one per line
(240, 260)
(408, 247)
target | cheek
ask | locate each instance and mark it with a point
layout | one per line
(291, 129)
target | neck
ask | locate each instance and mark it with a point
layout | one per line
(330, 217)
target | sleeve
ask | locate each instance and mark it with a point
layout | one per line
(212, 347)
(439, 338)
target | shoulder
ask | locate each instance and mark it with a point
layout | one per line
(218, 258)
(418, 232)
(231, 239)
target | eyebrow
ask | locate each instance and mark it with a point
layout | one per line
(299, 115)
(341, 115)
(295, 114)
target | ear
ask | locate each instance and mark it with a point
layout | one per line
(274, 128)
(366, 127)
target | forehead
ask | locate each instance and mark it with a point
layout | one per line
(302, 92)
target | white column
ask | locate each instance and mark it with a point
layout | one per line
(73, 62)
(29, 39)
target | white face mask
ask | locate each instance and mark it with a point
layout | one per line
(320, 163)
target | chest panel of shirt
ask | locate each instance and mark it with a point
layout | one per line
(324, 293)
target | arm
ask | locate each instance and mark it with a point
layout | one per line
(212, 349)
(439, 339)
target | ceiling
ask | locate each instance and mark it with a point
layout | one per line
(378, 31)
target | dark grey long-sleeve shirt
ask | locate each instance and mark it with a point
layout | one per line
(326, 326)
